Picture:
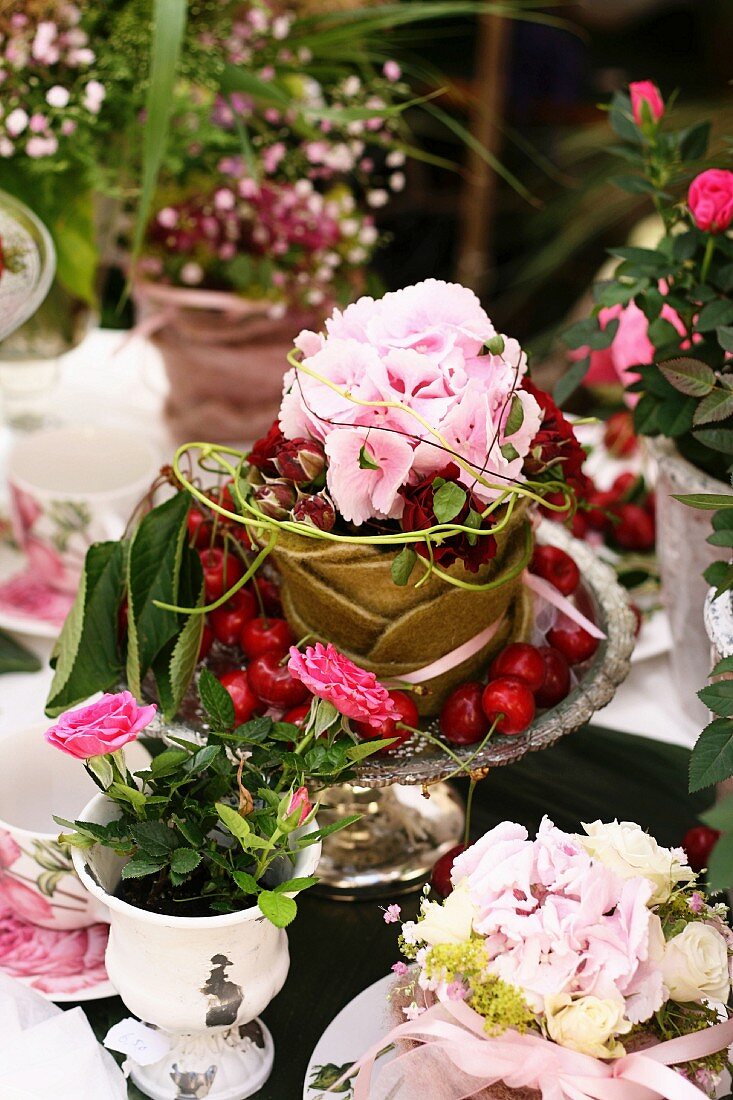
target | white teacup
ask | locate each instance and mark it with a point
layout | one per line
(37, 877)
(70, 487)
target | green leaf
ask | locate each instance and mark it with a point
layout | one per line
(201, 760)
(705, 501)
(712, 757)
(168, 762)
(721, 538)
(139, 868)
(16, 658)
(75, 234)
(86, 655)
(618, 293)
(216, 701)
(234, 822)
(509, 451)
(566, 386)
(719, 575)
(693, 142)
(355, 753)
(689, 376)
(516, 416)
(402, 565)
(718, 697)
(642, 257)
(720, 870)
(714, 314)
(685, 245)
(622, 119)
(723, 666)
(294, 885)
(184, 658)
(279, 909)
(662, 333)
(123, 792)
(675, 415)
(725, 337)
(247, 883)
(153, 572)
(327, 830)
(185, 860)
(634, 185)
(720, 816)
(718, 439)
(718, 405)
(448, 501)
(169, 25)
(366, 462)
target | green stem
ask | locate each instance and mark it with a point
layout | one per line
(227, 595)
(469, 803)
(709, 249)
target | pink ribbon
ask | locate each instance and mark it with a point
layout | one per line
(468, 649)
(452, 1033)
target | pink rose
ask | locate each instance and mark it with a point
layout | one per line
(25, 902)
(102, 727)
(710, 199)
(645, 91)
(300, 799)
(9, 850)
(56, 962)
(354, 692)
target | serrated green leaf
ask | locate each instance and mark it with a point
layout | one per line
(185, 860)
(566, 386)
(516, 416)
(690, 376)
(402, 565)
(675, 415)
(247, 883)
(154, 839)
(723, 666)
(16, 658)
(717, 439)
(216, 701)
(327, 830)
(448, 501)
(184, 658)
(717, 406)
(168, 762)
(279, 909)
(356, 753)
(201, 760)
(720, 816)
(720, 864)
(721, 538)
(139, 868)
(718, 697)
(234, 822)
(725, 337)
(295, 885)
(662, 333)
(714, 314)
(712, 756)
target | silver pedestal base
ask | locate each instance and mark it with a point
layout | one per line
(392, 850)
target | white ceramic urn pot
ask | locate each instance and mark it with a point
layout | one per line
(202, 980)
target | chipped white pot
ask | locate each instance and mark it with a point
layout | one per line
(202, 980)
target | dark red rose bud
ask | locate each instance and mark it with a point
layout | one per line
(264, 450)
(276, 499)
(300, 460)
(316, 511)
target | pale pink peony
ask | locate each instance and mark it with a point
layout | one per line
(646, 91)
(354, 692)
(362, 493)
(9, 850)
(50, 961)
(102, 727)
(300, 800)
(710, 199)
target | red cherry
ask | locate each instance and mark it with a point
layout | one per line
(521, 661)
(273, 684)
(244, 699)
(221, 571)
(440, 876)
(552, 513)
(575, 644)
(207, 640)
(223, 497)
(699, 842)
(513, 700)
(405, 704)
(228, 621)
(462, 719)
(579, 525)
(298, 715)
(554, 565)
(270, 596)
(199, 529)
(650, 504)
(635, 528)
(556, 684)
(624, 483)
(262, 635)
(619, 437)
(598, 512)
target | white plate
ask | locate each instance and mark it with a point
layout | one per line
(15, 619)
(360, 1024)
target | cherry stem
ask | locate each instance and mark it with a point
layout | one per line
(473, 783)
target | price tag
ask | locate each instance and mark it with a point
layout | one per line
(143, 1044)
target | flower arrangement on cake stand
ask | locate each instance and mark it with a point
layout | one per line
(389, 514)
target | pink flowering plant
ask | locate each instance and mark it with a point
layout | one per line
(600, 943)
(662, 325)
(212, 827)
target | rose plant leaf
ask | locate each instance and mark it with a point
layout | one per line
(718, 697)
(280, 909)
(720, 864)
(402, 565)
(185, 651)
(693, 141)
(566, 386)
(718, 405)
(448, 501)
(216, 700)
(139, 868)
(247, 883)
(675, 415)
(717, 439)
(86, 656)
(715, 313)
(327, 830)
(201, 760)
(293, 885)
(153, 571)
(725, 665)
(154, 838)
(357, 753)
(185, 860)
(720, 816)
(725, 337)
(233, 821)
(690, 376)
(516, 416)
(168, 762)
(712, 756)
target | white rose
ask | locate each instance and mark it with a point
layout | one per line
(448, 922)
(632, 853)
(588, 1025)
(695, 964)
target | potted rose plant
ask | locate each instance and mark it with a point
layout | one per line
(665, 319)
(198, 859)
(500, 999)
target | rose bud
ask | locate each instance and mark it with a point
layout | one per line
(275, 499)
(317, 511)
(301, 460)
(645, 97)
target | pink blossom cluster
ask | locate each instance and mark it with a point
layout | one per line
(398, 386)
(354, 692)
(47, 83)
(301, 243)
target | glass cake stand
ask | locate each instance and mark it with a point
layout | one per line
(410, 817)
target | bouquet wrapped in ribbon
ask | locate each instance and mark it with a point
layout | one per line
(394, 491)
(566, 967)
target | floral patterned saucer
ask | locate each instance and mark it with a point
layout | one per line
(27, 605)
(360, 1024)
(63, 966)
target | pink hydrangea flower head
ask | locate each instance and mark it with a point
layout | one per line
(102, 727)
(646, 91)
(361, 493)
(354, 692)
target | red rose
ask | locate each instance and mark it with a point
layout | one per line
(555, 443)
(265, 449)
(419, 515)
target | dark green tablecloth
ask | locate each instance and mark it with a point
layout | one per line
(337, 948)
